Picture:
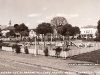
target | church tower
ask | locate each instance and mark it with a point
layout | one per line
(10, 23)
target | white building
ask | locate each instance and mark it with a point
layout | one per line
(32, 33)
(7, 29)
(88, 31)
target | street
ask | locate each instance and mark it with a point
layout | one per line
(9, 65)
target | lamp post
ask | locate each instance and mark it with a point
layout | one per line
(35, 51)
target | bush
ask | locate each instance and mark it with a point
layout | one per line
(17, 48)
(26, 50)
(7, 44)
(58, 51)
(1, 46)
(97, 39)
(46, 51)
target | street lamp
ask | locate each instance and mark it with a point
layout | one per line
(35, 51)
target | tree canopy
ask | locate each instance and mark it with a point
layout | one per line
(98, 27)
(22, 29)
(68, 29)
(0, 32)
(44, 28)
(58, 21)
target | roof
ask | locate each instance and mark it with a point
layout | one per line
(3, 26)
(9, 28)
(90, 26)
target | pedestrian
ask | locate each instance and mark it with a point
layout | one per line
(13, 47)
(26, 49)
(46, 51)
(17, 48)
(67, 44)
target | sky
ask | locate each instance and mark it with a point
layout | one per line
(33, 12)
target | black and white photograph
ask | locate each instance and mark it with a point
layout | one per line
(49, 37)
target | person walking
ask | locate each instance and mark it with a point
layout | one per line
(26, 49)
(46, 51)
(17, 48)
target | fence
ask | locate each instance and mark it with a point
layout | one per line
(63, 53)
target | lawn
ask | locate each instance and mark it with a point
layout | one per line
(93, 56)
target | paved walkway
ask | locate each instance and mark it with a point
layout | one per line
(50, 62)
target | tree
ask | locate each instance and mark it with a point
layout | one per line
(7, 34)
(12, 33)
(98, 27)
(16, 25)
(0, 32)
(58, 21)
(44, 28)
(75, 30)
(22, 29)
(17, 28)
(65, 29)
(24, 33)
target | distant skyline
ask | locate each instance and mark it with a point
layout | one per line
(33, 12)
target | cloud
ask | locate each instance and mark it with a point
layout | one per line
(83, 19)
(50, 17)
(63, 15)
(44, 8)
(34, 15)
(88, 19)
(27, 24)
(74, 15)
(40, 21)
(68, 16)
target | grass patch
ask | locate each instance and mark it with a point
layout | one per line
(93, 56)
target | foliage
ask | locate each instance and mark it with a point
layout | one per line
(24, 33)
(58, 21)
(44, 28)
(97, 39)
(74, 30)
(65, 30)
(22, 29)
(17, 48)
(98, 27)
(7, 34)
(11, 33)
(0, 32)
(68, 30)
(16, 26)
(58, 51)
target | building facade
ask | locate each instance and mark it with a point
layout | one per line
(32, 33)
(88, 31)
